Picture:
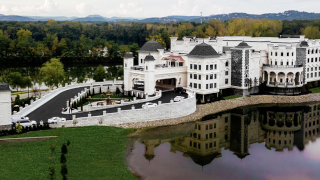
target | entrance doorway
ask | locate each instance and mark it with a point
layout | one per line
(166, 84)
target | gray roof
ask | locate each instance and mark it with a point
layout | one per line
(203, 50)
(149, 58)
(243, 45)
(128, 55)
(151, 46)
(4, 87)
(304, 44)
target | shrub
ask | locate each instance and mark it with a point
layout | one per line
(64, 149)
(63, 159)
(19, 128)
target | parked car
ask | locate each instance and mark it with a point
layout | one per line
(178, 98)
(179, 90)
(26, 123)
(139, 83)
(148, 104)
(15, 119)
(56, 120)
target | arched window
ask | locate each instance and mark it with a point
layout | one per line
(312, 51)
(287, 62)
(281, 63)
(227, 64)
(287, 54)
(308, 51)
(276, 63)
(316, 51)
(271, 63)
(276, 53)
(292, 53)
(281, 53)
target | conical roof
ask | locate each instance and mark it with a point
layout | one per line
(151, 46)
(304, 44)
(4, 87)
(128, 55)
(203, 50)
(149, 58)
(243, 45)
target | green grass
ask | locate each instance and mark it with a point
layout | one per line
(315, 90)
(23, 92)
(232, 97)
(112, 96)
(94, 153)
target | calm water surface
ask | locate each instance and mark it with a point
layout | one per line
(248, 143)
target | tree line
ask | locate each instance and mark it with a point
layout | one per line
(72, 41)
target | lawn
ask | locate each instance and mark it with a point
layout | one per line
(24, 92)
(94, 153)
(315, 90)
(232, 97)
(111, 96)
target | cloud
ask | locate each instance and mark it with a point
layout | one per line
(4, 9)
(127, 9)
(48, 6)
(84, 8)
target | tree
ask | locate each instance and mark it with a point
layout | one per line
(52, 173)
(15, 80)
(64, 149)
(311, 32)
(63, 159)
(19, 128)
(118, 91)
(157, 38)
(99, 73)
(52, 72)
(64, 171)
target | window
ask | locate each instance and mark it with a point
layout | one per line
(311, 75)
(276, 54)
(215, 126)
(141, 61)
(206, 136)
(207, 77)
(215, 85)
(307, 69)
(227, 64)
(199, 67)
(281, 53)
(215, 66)
(271, 53)
(146, 67)
(211, 76)
(287, 54)
(211, 85)
(211, 67)
(207, 67)
(316, 59)
(199, 137)
(210, 126)
(190, 76)
(194, 76)
(226, 119)
(190, 66)
(210, 145)
(292, 53)
(199, 86)
(308, 60)
(190, 143)
(214, 134)
(191, 85)
(199, 127)
(226, 73)
(210, 135)
(215, 76)
(312, 69)
(214, 144)
(226, 81)
(199, 77)
(195, 85)
(195, 67)
(311, 59)
(207, 86)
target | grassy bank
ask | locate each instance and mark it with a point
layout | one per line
(315, 90)
(231, 97)
(94, 153)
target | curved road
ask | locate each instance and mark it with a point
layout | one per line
(53, 107)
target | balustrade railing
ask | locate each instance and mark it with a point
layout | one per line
(282, 66)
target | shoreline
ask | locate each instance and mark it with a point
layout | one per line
(225, 105)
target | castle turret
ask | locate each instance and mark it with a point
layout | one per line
(150, 83)
(127, 65)
(5, 105)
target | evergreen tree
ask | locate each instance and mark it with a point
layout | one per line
(64, 149)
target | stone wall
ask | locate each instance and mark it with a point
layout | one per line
(301, 58)
(225, 105)
(161, 112)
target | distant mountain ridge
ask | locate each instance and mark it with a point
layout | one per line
(287, 15)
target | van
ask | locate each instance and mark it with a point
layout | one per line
(15, 119)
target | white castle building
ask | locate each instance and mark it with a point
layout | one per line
(5, 106)
(209, 65)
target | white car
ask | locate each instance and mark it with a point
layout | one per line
(178, 98)
(15, 119)
(56, 120)
(26, 123)
(148, 104)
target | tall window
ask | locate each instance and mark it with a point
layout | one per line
(226, 73)
(195, 67)
(207, 67)
(207, 77)
(190, 66)
(215, 76)
(226, 81)
(190, 76)
(199, 67)
(211, 67)
(211, 76)
(199, 77)
(227, 64)
(199, 86)
(194, 76)
(215, 66)
(195, 85)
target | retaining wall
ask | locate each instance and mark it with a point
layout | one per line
(162, 111)
(225, 105)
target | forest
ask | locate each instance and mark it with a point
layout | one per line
(79, 42)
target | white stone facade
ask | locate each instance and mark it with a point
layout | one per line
(287, 63)
(5, 108)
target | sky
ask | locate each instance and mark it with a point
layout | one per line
(151, 8)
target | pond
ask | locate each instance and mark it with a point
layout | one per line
(245, 143)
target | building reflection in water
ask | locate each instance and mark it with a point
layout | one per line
(279, 127)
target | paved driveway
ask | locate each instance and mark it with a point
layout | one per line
(54, 106)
